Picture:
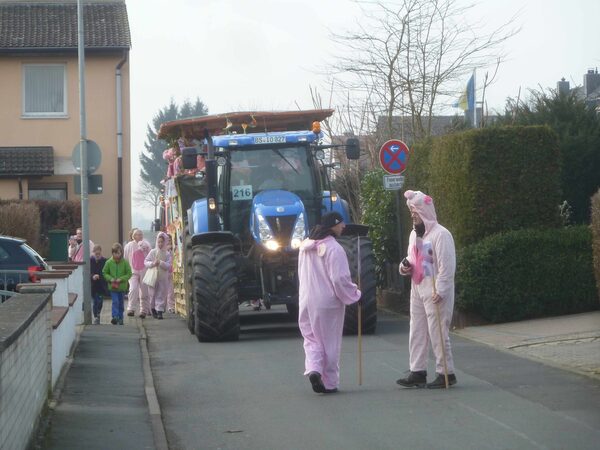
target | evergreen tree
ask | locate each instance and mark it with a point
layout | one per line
(578, 130)
(153, 166)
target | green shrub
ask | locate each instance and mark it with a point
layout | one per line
(379, 212)
(21, 220)
(490, 180)
(526, 274)
(596, 236)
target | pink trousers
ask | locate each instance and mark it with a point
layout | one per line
(424, 328)
(158, 295)
(137, 297)
(322, 331)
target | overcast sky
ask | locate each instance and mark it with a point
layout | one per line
(264, 54)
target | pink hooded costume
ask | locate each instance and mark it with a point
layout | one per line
(158, 293)
(431, 255)
(325, 289)
(135, 253)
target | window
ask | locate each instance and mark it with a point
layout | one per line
(44, 90)
(49, 191)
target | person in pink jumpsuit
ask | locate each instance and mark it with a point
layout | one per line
(170, 289)
(431, 259)
(135, 253)
(325, 289)
(160, 258)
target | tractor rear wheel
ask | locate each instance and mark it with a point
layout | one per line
(215, 293)
(368, 299)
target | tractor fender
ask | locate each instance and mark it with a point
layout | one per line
(213, 237)
(198, 217)
(339, 205)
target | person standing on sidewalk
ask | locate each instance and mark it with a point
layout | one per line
(117, 273)
(160, 258)
(325, 290)
(97, 262)
(135, 253)
(75, 248)
(431, 259)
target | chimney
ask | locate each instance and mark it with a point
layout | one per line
(563, 87)
(591, 81)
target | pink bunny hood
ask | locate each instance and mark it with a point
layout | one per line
(423, 205)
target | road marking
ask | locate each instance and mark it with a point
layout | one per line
(503, 425)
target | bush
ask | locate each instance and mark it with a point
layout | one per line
(21, 219)
(491, 180)
(379, 212)
(596, 237)
(526, 274)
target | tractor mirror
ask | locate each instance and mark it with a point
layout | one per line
(336, 165)
(188, 157)
(352, 148)
(319, 154)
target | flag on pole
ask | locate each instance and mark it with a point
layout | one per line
(466, 102)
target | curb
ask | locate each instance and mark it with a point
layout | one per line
(158, 429)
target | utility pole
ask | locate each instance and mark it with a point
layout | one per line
(87, 311)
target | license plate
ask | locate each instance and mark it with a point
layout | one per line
(241, 192)
(269, 140)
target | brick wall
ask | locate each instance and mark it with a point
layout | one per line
(25, 366)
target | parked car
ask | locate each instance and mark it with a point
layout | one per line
(18, 263)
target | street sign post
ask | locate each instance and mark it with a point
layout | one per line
(393, 182)
(393, 156)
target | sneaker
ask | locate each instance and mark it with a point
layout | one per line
(330, 391)
(316, 382)
(440, 381)
(414, 379)
(97, 320)
(256, 304)
(120, 322)
(113, 320)
(130, 313)
(159, 315)
(142, 316)
(154, 313)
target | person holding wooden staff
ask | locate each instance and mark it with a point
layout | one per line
(431, 263)
(325, 288)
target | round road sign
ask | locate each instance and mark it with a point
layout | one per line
(94, 156)
(393, 156)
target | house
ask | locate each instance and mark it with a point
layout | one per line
(39, 107)
(589, 92)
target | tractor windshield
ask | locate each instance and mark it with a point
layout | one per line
(257, 170)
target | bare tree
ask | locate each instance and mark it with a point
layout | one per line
(407, 58)
(147, 194)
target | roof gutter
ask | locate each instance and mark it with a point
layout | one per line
(119, 101)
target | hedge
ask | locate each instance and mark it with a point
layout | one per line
(22, 220)
(526, 274)
(595, 226)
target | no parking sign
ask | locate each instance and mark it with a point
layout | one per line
(393, 156)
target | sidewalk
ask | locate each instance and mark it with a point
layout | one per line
(105, 400)
(567, 342)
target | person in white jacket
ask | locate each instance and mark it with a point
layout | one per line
(431, 259)
(161, 259)
(135, 252)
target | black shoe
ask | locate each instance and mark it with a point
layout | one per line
(114, 320)
(159, 315)
(316, 382)
(414, 379)
(142, 316)
(330, 391)
(440, 381)
(154, 313)
(130, 313)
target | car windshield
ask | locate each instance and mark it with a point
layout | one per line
(34, 255)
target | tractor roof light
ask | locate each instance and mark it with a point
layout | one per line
(316, 127)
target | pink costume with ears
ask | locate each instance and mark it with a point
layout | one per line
(325, 289)
(158, 293)
(169, 156)
(431, 255)
(135, 253)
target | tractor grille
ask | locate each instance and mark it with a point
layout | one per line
(282, 227)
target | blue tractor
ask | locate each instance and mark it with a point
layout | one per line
(247, 211)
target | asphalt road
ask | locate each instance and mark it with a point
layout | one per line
(251, 395)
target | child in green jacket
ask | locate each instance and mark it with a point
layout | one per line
(117, 272)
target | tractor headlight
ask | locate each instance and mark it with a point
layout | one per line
(264, 230)
(299, 231)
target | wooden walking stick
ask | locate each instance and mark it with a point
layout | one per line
(437, 314)
(359, 309)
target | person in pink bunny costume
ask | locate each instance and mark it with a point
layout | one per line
(431, 259)
(160, 258)
(325, 290)
(135, 253)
